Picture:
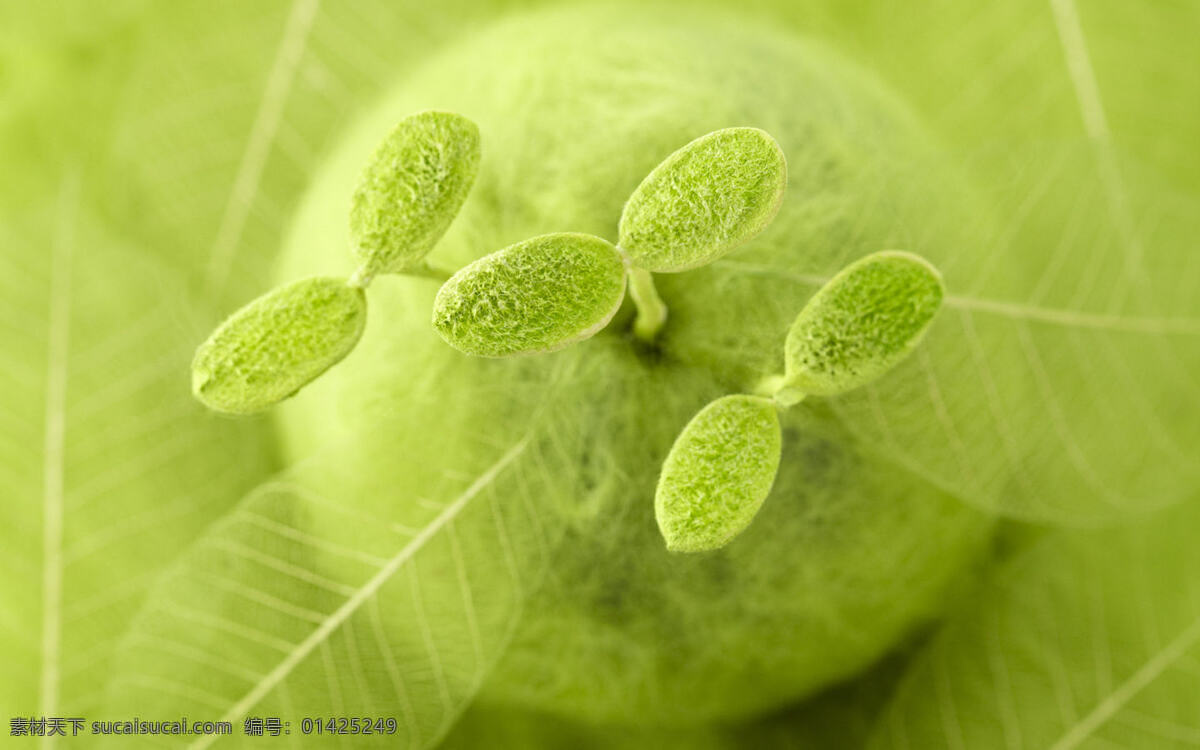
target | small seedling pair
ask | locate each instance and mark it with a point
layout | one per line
(413, 187)
(861, 324)
(544, 293)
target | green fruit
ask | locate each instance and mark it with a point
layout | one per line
(848, 554)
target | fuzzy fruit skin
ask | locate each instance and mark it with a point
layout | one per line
(848, 554)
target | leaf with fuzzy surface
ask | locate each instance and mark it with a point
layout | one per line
(411, 190)
(1087, 640)
(869, 317)
(718, 473)
(277, 344)
(704, 200)
(535, 296)
(108, 466)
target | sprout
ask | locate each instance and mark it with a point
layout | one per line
(862, 323)
(704, 200)
(854, 329)
(278, 343)
(535, 296)
(718, 473)
(410, 191)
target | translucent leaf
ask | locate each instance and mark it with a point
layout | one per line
(535, 296)
(862, 323)
(278, 343)
(1088, 640)
(308, 599)
(718, 473)
(412, 188)
(108, 466)
(704, 200)
(211, 149)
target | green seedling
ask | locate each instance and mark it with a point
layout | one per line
(410, 192)
(857, 327)
(538, 295)
(701, 202)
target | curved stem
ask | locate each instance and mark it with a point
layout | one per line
(364, 274)
(427, 271)
(651, 312)
(776, 387)
(361, 278)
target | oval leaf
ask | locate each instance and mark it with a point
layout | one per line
(535, 296)
(278, 343)
(414, 185)
(718, 473)
(704, 200)
(862, 323)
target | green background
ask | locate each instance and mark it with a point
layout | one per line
(154, 156)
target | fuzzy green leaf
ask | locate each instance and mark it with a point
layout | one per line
(411, 190)
(718, 473)
(704, 200)
(862, 323)
(278, 343)
(535, 296)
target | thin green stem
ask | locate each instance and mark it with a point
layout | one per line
(361, 278)
(651, 312)
(364, 274)
(777, 388)
(425, 270)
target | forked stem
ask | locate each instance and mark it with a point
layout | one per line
(651, 312)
